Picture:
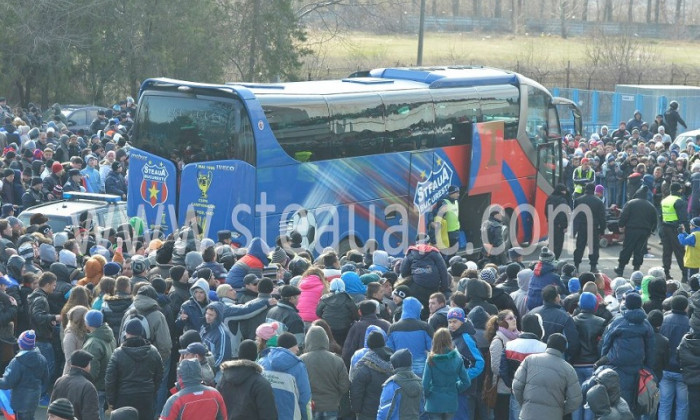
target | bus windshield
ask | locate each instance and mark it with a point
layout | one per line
(187, 129)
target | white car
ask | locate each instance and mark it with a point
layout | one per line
(683, 138)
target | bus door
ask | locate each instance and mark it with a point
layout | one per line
(218, 195)
(547, 164)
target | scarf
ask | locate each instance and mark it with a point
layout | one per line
(510, 335)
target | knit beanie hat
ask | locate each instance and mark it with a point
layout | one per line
(532, 323)
(401, 358)
(375, 340)
(93, 318)
(176, 272)
(488, 276)
(56, 167)
(456, 313)
(248, 350)
(192, 260)
(27, 340)
(621, 290)
(636, 279)
(47, 253)
(512, 270)
(68, 258)
(111, 269)
(568, 270)
(125, 413)
(546, 255)
(159, 284)
(134, 327)
(633, 300)
(348, 267)
(286, 340)
(337, 286)
(557, 341)
(574, 285)
(61, 407)
(587, 301)
(279, 256)
(586, 277)
(267, 330)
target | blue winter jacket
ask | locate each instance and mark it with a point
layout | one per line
(675, 326)
(279, 359)
(402, 393)
(253, 262)
(214, 336)
(544, 275)
(26, 375)
(463, 340)
(628, 341)
(411, 333)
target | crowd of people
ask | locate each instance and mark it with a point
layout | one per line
(137, 326)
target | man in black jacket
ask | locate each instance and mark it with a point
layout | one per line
(286, 312)
(672, 118)
(589, 216)
(637, 232)
(556, 320)
(134, 372)
(559, 205)
(76, 387)
(42, 321)
(355, 339)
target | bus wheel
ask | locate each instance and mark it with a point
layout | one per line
(346, 245)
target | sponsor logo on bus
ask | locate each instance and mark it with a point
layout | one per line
(154, 189)
(433, 187)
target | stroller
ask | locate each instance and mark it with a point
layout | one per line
(612, 234)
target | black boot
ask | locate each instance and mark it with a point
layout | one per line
(619, 271)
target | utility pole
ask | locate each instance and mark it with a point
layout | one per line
(421, 30)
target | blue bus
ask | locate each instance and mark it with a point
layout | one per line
(345, 161)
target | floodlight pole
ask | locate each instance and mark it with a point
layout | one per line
(421, 30)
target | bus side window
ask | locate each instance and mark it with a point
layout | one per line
(453, 108)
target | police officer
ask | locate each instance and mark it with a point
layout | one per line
(558, 225)
(674, 215)
(637, 232)
(588, 207)
(583, 175)
(447, 222)
(672, 118)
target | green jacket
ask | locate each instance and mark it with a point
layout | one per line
(443, 378)
(100, 343)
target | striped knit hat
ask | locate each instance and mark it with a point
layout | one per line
(27, 340)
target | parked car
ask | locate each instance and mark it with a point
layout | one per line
(77, 116)
(683, 138)
(80, 210)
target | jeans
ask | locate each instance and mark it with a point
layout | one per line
(163, 392)
(514, 408)
(326, 415)
(101, 399)
(671, 386)
(583, 373)
(46, 350)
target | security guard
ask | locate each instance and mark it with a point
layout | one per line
(691, 241)
(447, 222)
(674, 215)
(582, 175)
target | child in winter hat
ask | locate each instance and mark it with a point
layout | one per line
(27, 340)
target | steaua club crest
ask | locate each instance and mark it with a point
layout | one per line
(154, 188)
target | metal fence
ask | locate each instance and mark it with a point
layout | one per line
(601, 108)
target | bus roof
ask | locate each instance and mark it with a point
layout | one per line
(384, 79)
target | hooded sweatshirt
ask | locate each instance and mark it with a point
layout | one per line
(327, 374)
(277, 363)
(214, 336)
(101, 344)
(400, 393)
(520, 296)
(194, 309)
(411, 333)
(544, 275)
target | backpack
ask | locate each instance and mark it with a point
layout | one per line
(647, 393)
(134, 314)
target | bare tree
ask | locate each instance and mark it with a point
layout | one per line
(648, 11)
(679, 7)
(584, 11)
(630, 17)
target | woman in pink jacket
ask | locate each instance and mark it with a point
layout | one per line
(313, 285)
